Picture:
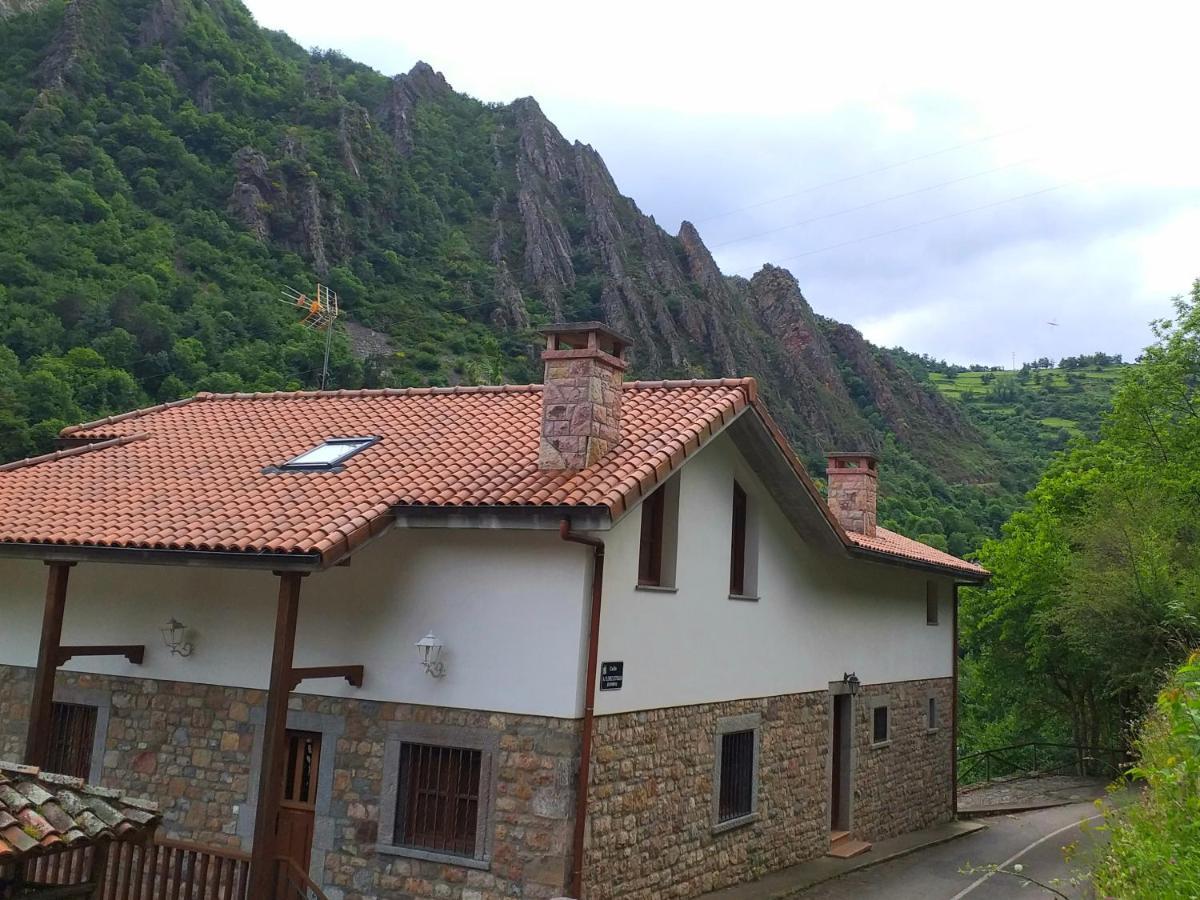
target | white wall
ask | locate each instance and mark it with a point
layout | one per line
(508, 604)
(817, 617)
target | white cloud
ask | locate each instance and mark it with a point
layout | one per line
(703, 109)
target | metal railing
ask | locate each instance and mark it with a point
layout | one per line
(1039, 758)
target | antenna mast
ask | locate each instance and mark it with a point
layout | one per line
(320, 313)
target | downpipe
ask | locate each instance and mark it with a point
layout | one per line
(589, 702)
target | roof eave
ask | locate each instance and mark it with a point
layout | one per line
(160, 556)
(529, 518)
(882, 556)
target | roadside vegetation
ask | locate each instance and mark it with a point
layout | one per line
(1096, 594)
(1154, 847)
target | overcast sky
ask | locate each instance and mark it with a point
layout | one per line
(950, 178)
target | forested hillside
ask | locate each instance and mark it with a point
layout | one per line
(1096, 593)
(167, 167)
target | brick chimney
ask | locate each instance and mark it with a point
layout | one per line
(581, 397)
(853, 487)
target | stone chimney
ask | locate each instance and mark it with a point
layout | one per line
(853, 487)
(581, 397)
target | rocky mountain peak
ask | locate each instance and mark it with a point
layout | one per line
(426, 82)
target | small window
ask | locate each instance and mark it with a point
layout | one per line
(737, 552)
(931, 603)
(329, 454)
(650, 556)
(438, 808)
(736, 799)
(72, 735)
(660, 527)
(879, 725)
(735, 776)
(931, 722)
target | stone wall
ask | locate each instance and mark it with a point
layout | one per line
(194, 748)
(650, 803)
(905, 785)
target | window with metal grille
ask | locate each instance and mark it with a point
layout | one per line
(736, 793)
(72, 734)
(879, 725)
(931, 722)
(438, 808)
(931, 603)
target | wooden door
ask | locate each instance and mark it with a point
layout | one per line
(298, 808)
(839, 806)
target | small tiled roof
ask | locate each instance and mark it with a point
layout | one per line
(196, 474)
(42, 813)
(892, 544)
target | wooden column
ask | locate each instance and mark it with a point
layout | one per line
(41, 707)
(270, 778)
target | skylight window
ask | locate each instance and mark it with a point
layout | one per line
(329, 454)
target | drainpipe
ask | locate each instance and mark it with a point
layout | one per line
(954, 709)
(589, 702)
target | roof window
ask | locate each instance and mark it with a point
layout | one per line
(329, 454)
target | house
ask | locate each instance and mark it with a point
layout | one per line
(585, 637)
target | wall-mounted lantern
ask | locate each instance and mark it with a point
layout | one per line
(173, 633)
(850, 680)
(430, 648)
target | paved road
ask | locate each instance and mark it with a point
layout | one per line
(937, 873)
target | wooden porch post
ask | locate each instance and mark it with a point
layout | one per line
(41, 706)
(270, 779)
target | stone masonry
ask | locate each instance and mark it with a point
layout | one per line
(652, 832)
(905, 785)
(581, 407)
(651, 813)
(191, 748)
(853, 487)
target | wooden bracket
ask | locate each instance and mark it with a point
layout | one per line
(353, 674)
(135, 653)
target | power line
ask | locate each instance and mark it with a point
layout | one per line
(953, 215)
(857, 175)
(882, 200)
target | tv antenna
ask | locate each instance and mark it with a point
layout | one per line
(320, 312)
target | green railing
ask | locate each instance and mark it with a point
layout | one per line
(1037, 758)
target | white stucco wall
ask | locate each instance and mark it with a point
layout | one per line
(508, 604)
(817, 616)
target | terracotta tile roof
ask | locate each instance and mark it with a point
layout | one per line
(893, 544)
(189, 475)
(42, 813)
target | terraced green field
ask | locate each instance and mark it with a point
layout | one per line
(1055, 400)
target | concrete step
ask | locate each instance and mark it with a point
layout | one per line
(835, 836)
(848, 847)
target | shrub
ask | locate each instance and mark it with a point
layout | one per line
(1155, 847)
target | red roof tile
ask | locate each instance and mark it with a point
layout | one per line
(42, 813)
(189, 475)
(893, 544)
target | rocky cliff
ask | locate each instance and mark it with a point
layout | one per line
(435, 215)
